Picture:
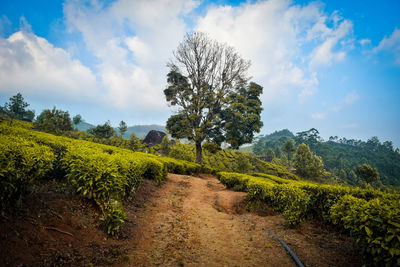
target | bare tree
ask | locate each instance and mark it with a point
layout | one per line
(204, 77)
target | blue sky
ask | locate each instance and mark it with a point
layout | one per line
(331, 65)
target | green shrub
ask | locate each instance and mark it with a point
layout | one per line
(211, 147)
(22, 162)
(114, 217)
(376, 226)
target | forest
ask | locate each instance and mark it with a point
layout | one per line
(340, 156)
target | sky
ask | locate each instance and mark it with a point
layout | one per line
(329, 65)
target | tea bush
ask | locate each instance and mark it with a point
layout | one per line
(22, 162)
(371, 216)
(375, 224)
(100, 172)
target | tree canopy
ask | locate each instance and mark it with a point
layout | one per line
(16, 108)
(103, 131)
(368, 173)
(307, 165)
(76, 120)
(122, 128)
(208, 83)
(54, 121)
(341, 154)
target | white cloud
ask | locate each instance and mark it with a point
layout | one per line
(274, 35)
(365, 42)
(318, 116)
(351, 98)
(32, 65)
(348, 100)
(325, 53)
(390, 44)
(133, 41)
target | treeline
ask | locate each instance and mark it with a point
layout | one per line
(340, 156)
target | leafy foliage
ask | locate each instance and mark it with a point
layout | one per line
(103, 131)
(211, 147)
(103, 173)
(341, 154)
(122, 128)
(16, 108)
(76, 120)
(376, 226)
(165, 146)
(307, 165)
(371, 216)
(368, 173)
(54, 121)
(22, 162)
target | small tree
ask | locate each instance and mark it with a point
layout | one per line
(16, 108)
(165, 146)
(284, 161)
(122, 128)
(289, 149)
(278, 152)
(135, 143)
(270, 155)
(54, 121)
(306, 164)
(243, 164)
(103, 131)
(368, 173)
(76, 120)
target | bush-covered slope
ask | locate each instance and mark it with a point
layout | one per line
(230, 160)
(371, 216)
(103, 173)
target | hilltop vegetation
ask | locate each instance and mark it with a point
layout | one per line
(340, 156)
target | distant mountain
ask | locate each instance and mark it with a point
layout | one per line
(84, 126)
(139, 130)
(142, 130)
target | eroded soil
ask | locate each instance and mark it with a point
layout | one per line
(187, 221)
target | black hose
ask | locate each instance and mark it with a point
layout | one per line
(292, 254)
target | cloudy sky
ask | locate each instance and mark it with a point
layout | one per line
(332, 65)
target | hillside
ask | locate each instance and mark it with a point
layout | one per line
(340, 156)
(74, 191)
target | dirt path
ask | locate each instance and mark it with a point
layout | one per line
(193, 221)
(187, 223)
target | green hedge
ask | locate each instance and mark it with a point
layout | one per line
(22, 162)
(376, 226)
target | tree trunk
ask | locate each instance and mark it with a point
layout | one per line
(199, 154)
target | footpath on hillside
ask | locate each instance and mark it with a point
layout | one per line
(194, 221)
